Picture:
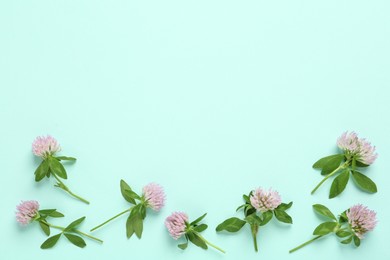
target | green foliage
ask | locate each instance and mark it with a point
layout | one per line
(196, 221)
(343, 217)
(324, 211)
(356, 241)
(267, 216)
(51, 241)
(253, 219)
(364, 182)
(284, 206)
(196, 240)
(184, 245)
(231, 225)
(200, 228)
(342, 233)
(346, 241)
(74, 224)
(138, 225)
(360, 164)
(126, 192)
(325, 228)
(57, 168)
(65, 158)
(329, 163)
(339, 184)
(282, 216)
(45, 227)
(129, 227)
(50, 213)
(134, 223)
(75, 240)
(41, 171)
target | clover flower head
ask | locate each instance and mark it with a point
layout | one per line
(263, 200)
(44, 146)
(154, 196)
(176, 224)
(27, 211)
(360, 148)
(361, 219)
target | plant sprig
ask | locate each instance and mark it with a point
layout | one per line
(255, 219)
(192, 234)
(178, 225)
(153, 199)
(51, 166)
(343, 167)
(356, 153)
(339, 226)
(71, 231)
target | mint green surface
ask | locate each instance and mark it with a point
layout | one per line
(208, 98)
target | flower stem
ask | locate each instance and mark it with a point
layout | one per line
(210, 244)
(344, 165)
(114, 217)
(65, 188)
(54, 226)
(255, 229)
(91, 237)
(76, 231)
(304, 244)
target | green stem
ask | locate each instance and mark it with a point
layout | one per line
(114, 217)
(304, 244)
(255, 229)
(91, 237)
(54, 226)
(76, 231)
(344, 165)
(210, 244)
(65, 188)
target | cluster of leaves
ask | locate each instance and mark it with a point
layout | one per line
(339, 226)
(69, 232)
(255, 219)
(345, 166)
(52, 165)
(192, 233)
(134, 223)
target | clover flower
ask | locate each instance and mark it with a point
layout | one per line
(27, 211)
(361, 220)
(176, 224)
(357, 147)
(263, 200)
(44, 146)
(154, 196)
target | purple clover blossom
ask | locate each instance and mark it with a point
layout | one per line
(154, 196)
(361, 219)
(27, 211)
(263, 200)
(44, 146)
(176, 224)
(357, 147)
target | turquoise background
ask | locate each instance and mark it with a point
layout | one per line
(208, 98)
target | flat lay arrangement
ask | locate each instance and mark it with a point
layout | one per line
(259, 207)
